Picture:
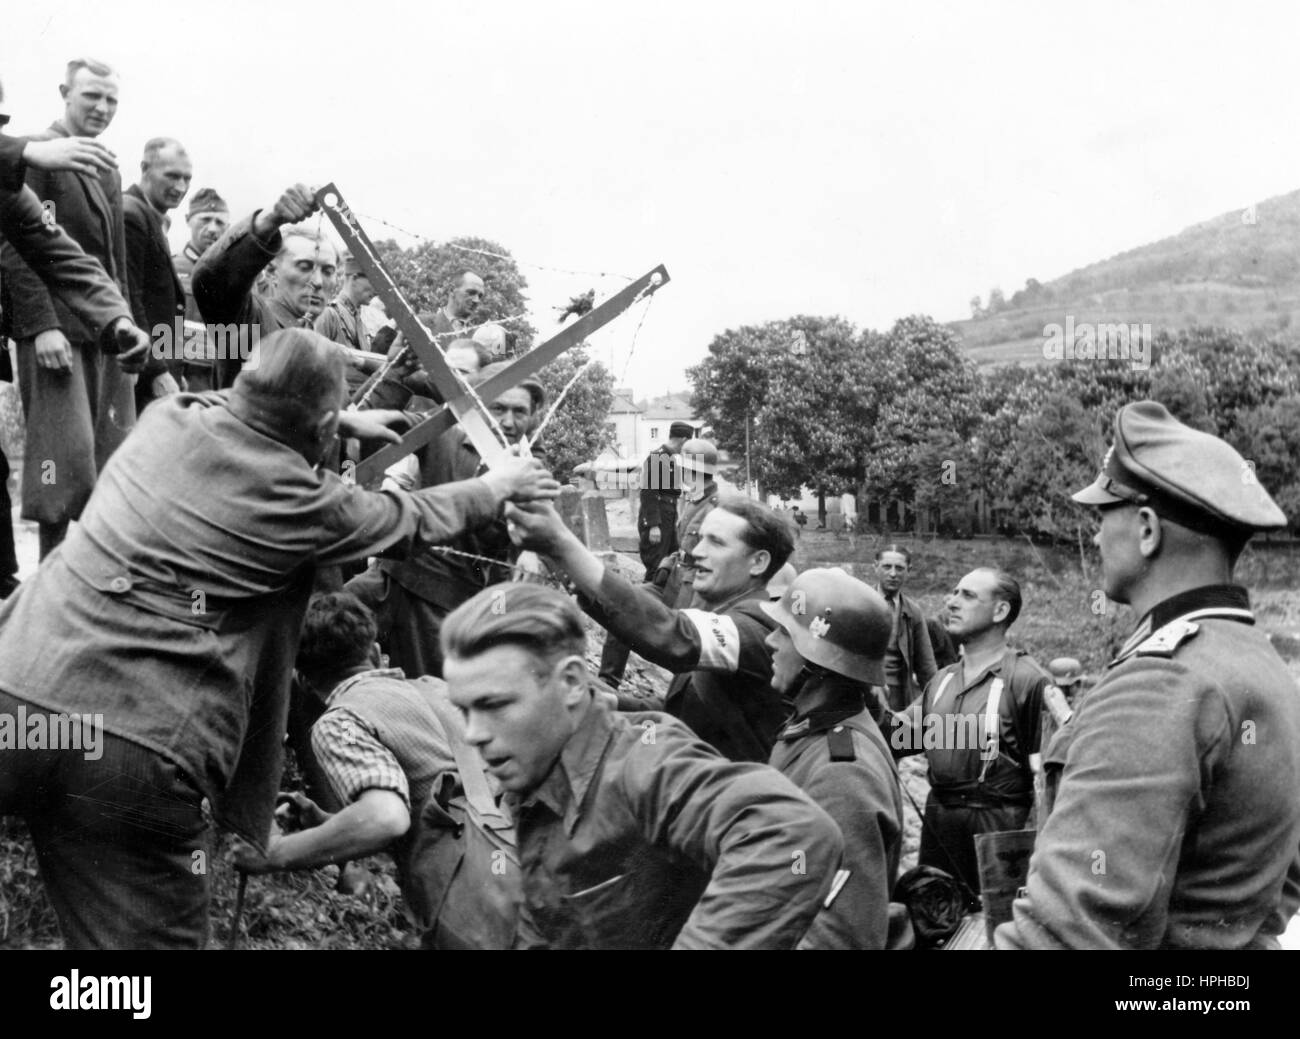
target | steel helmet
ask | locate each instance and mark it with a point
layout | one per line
(836, 622)
(699, 456)
(1065, 671)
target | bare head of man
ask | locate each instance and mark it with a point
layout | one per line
(165, 173)
(516, 410)
(305, 271)
(466, 296)
(985, 603)
(292, 389)
(89, 96)
(516, 668)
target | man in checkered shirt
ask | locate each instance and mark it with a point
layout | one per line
(381, 744)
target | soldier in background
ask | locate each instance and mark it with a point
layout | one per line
(698, 464)
(657, 529)
(341, 320)
(660, 489)
(208, 217)
(1174, 821)
(1067, 675)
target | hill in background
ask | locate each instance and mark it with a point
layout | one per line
(1240, 270)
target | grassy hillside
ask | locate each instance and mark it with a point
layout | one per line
(1240, 270)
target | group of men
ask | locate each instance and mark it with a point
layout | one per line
(758, 807)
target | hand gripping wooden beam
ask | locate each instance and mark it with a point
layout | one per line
(462, 406)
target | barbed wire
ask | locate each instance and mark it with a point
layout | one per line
(528, 442)
(499, 256)
(594, 359)
(547, 576)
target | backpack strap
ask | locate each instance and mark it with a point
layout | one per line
(993, 714)
(473, 780)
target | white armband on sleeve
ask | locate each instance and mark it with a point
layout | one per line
(719, 640)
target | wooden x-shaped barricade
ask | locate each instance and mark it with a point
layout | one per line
(464, 406)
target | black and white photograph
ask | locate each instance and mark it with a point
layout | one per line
(696, 476)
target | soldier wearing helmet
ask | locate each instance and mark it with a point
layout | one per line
(827, 652)
(698, 464)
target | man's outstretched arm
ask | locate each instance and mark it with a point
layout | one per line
(679, 640)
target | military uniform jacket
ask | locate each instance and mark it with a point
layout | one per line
(679, 588)
(341, 322)
(199, 351)
(834, 752)
(642, 837)
(660, 489)
(1175, 820)
(722, 671)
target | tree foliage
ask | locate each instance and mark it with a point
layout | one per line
(905, 417)
(426, 274)
(580, 429)
(809, 429)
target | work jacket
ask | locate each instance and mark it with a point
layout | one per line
(174, 608)
(641, 837)
(722, 671)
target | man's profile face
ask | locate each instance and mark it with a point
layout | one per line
(513, 411)
(786, 660)
(891, 569)
(206, 228)
(304, 274)
(362, 291)
(723, 561)
(1120, 559)
(89, 103)
(972, 608)
(515, 712)
(166, 181)
(466, 296)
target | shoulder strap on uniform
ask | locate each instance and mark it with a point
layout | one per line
(472, 779)
(943, 685)
(840, 742)
(1163, 642)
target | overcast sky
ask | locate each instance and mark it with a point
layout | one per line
(868, 160)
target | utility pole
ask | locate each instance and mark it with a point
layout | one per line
(749, 479)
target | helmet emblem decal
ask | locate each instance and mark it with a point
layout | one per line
(818, 628)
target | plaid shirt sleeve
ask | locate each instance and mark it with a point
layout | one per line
(354, 759)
